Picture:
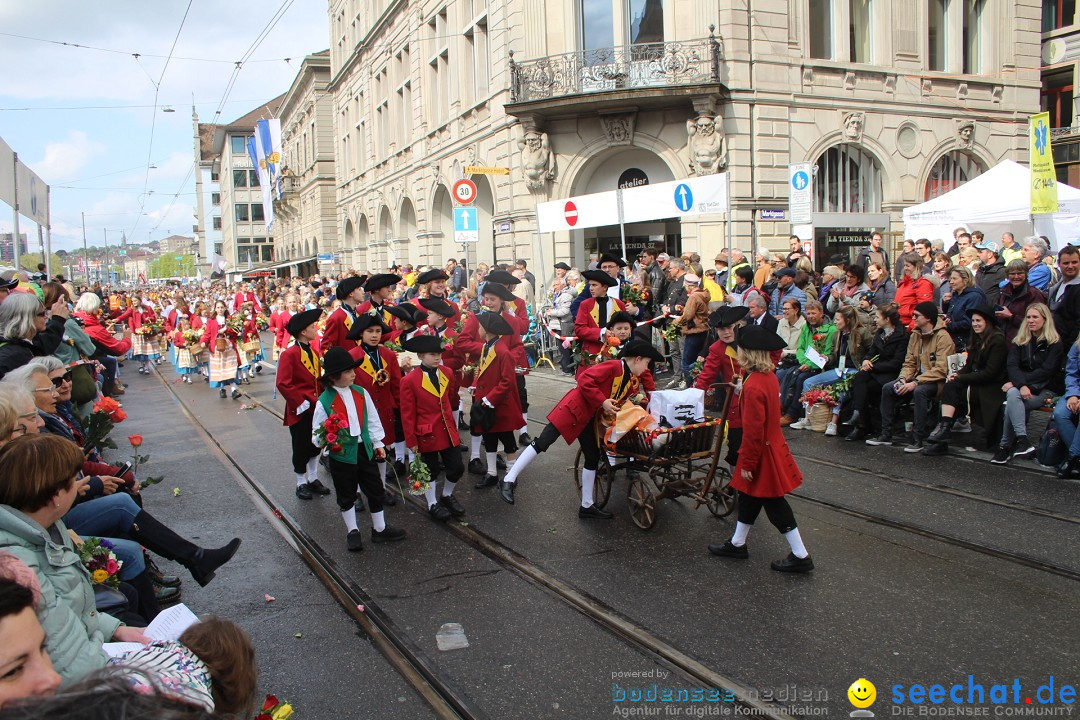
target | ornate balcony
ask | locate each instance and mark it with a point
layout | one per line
(624, 68)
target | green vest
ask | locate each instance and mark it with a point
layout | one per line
(345, 437)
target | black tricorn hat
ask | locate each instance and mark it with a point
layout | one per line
(640, 348)
(494, 323)
(601, 277)
(755, 337)
(502, 277)
(608, 257)
(423, 344)
(362, 323)
(338, 360)
(347, 286)
(431, 276)
(407, 312)
(438, 305)
(727, 315)
(621, 317)
(500, 291)
(381, 280)
(301, 320)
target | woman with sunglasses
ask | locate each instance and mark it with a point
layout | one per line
(27, 330)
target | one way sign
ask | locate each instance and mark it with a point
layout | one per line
(466, 229)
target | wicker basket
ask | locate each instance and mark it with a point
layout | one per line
(251, 346)
(196, 349)
(222, 344)
(819, 416)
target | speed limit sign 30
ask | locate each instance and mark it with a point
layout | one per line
(464, 192)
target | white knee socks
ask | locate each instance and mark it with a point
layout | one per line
(301, 480)
(349, 516)
(794, 539)
(382, 473)
(448, 488)
(378, 522)
(492, 463)
(474, 448)
(520, 464)
(429, 494)
(313, 469)
(588, 477)
(525, 417)
(741, 531)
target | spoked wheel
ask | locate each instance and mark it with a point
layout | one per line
(642, 502)
(604, 477)
(721, 499)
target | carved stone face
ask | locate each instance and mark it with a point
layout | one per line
(532, 142)
(965, 133)
(853, 125)
(704, 126)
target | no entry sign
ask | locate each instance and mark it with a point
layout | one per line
(570, 213)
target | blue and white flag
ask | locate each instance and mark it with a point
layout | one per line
(256, 151)
(268, 134)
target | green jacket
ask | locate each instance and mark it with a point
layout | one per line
(82, 343)
(349, 443)
(826, 346)
(74, 629)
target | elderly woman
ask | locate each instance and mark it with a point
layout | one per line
(1017, 294)
(1033, 250)
(33, 503)
(961, 296)
(851, 292)
(561, 321)
(28, 330)
(106, 347)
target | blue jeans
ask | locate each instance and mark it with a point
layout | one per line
(1066, 425)
(106, 516)
(825, 379)
(692, 347)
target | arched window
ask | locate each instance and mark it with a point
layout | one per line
(847, 179)
(950, 172)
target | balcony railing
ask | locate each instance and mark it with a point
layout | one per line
(627, 67)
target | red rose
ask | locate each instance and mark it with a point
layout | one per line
(331, 437)
(135, 440)
(335, 448)
(271, 703)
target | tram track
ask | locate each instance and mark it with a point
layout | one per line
(420, 671)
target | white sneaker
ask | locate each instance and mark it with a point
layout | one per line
(830, 429)
(802, 424)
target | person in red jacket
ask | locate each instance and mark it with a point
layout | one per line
(621, 326)
(379, 289)
(298, 373)
(496, 413)
(380, 376)
(279, 320)
(913, 289)
(766, 470)
(247, 295)
(429, 425)
(220, 340)
(518, 317)
(349, 292)
(440, 315)
(601, 388)
(591, 322)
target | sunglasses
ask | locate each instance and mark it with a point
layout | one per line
(59, 381)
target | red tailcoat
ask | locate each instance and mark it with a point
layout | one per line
(575, 412)
(240, 298)
(454, 359)
(425, 414)
(297, 382)
(586, 325)
(334, 332)
(721, 365)
(470, 344)
(496, 382)
(764, 450)
(387, 318)
(452, 321)
(385, 397)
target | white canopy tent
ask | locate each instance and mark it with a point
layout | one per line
(997, 201)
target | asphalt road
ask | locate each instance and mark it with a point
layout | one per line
(885, 603)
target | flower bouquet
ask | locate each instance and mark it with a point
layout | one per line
(673, 331)
(634, 295)
(327, 433)
(100, 561)
(820, 396)
(235, 323)
(819, 403)
(274, 709)
(419, 477)
(394, 345)
(696, 368)
(101, 421)
(191, 337)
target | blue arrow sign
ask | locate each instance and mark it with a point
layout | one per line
(800, 180)
(465, 219)
(684, 197)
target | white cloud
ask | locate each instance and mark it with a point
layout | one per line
(64, 158)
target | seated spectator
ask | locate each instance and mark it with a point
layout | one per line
(1016, 295)
(922, 376)
(78, 345)
(991, 273)
(107, 348)
(785, 288)
(853, 341)
(912, 290)
(1034, 368)
(981, 377)
(759, 312)
(25, 668)
(1067, 415)
(882, 364)
(1063, 297)
(817, 336)
(1039, 276)
(789, 327)
(960, 296)
(850, 293)
(940, 277)
(106, 696)
(882, 289)
(831, 276)
(28, 330)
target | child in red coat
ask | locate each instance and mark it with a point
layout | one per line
(496, 413)
(766, 470)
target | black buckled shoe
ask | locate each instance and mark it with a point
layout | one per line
(476, 467)
(318, 488)
(388, 534)
(486, 482)
(739, 552)
(506, 491)
(793, 564)
(524, 440)
(438, 512)
(452, 504)
(593, 513)
(354, 541)
(303, 492)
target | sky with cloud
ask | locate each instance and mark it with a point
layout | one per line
(83, 118)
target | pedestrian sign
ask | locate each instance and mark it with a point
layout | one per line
(800, 194)
(466, 227)
(684, 197)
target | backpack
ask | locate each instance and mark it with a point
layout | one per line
(1052, 451)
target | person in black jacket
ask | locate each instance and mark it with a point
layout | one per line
(991, 272)
(28, 330)
(982, 374)
(1063, 297)
(874, 253)
(1034, 364)
(882, 364)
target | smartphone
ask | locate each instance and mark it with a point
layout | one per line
(123, 469)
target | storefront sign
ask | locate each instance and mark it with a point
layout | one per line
(633, 177)
(848, 236)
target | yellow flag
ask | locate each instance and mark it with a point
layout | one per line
(1044, 194)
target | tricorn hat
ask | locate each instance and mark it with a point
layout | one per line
(601, 277)
(755, 337)
(640, 348)
(423, 344)
(338, 360)
(301, 320)
(363, 322)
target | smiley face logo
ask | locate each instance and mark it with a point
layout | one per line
(862, 693)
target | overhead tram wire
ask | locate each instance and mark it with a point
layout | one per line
(80, 46)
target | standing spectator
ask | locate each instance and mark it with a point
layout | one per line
(991, 273)
(560, 320)
(908, 252)
(458, 275)
(720, 263)
(1039, 274)
(882, 289)
(881, 365)
(738, 260)
(963, 240)
(654, 279)
(796, 253)
(672, 304)
(912, 290)
(925, 251)
(940, 277)
(785, 289)
(960, 297)
(1010, 250)
(523, 266)
(874, 253)
(1016, 296)
(695, 325)
(922, 376)
(1034, 364)
(764, 268)
(1064, 295)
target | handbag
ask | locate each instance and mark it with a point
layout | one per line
(83, 387)
(1052, 451)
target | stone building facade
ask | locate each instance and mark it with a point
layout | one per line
(891, 101)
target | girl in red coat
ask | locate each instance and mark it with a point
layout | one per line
(766, 471)
(602, 387)
(220, 340)
(496, 414)
(380, 376)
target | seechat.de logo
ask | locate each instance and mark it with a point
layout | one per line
(862, 694)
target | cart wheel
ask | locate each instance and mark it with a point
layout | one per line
(721, 499)
(604, 477)
(642, 503)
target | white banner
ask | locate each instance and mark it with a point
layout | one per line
(7, 174)
(678, 198)
(33, 195)
(576, 213)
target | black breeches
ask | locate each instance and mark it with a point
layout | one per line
(734, 442)
(364, 475)
(587, 441)
(448, 460)
(302, 447)
(491, 441)
(523, 393)
(777, 510)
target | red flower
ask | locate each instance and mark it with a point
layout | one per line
(135, 440)
(335, 448)
(613, 341)
(331, 437)
(271, 703)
